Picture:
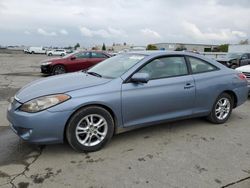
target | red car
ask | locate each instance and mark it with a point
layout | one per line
(73, 62)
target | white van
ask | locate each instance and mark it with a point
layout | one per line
(37, 50)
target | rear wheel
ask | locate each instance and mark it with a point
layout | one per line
(222, 109)
(90, 129)
(50, 54)
(58, 69)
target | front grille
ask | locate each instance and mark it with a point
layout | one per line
(247, 74)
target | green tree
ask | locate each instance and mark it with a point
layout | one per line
(103, 47)
(223, 48)
(151, 47)
(94, 48)
(76, 46)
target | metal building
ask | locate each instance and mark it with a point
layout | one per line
(185, 46)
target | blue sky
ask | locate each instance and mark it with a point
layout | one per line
(138, 22)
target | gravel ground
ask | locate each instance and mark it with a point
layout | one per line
(189, 153)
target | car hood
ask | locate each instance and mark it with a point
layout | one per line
(245, 68)
(58, 84)
(51, 59)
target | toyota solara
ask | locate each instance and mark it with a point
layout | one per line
(127, 91)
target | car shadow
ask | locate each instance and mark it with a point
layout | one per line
(16, 151)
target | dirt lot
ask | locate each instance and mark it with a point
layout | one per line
(190, 153)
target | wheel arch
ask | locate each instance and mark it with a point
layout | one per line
(233, 95)
(90, 105)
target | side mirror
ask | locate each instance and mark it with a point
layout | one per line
(72, 57)
(140, 78)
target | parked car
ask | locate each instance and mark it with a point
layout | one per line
(37, 50)
(234, 60)
(246, 71)
(124, 92)
(69, 51)
(58, 52)
(73, 62)
(26, 50)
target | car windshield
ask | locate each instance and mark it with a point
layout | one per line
(115, 66)
(233, 55)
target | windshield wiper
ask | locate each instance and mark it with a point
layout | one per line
(94, 74)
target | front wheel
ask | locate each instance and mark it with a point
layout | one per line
(89, 129)
(222, 109)
(58, 69)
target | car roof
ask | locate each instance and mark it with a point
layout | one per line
(97, 51)
(157, 53)
(162, 52)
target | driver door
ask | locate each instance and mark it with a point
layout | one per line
(169, 93)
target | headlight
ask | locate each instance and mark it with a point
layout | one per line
(46, 63)
(42, 103)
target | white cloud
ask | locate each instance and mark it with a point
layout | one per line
(104, 33)
(220, 35)
(101, 33)
(150, 33)
(27, 32)
(45, 33)
(63, 32)
(86, 32)
(117, 32)
(91, 32)
(239, 33)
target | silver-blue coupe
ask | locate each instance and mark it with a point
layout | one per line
(126, 91)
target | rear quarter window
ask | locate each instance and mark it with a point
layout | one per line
(200, 66)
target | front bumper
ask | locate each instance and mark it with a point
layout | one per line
(46, 69)
(43, 127)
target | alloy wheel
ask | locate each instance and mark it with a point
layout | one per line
(222, 108)
(59, 70)
(91, 130)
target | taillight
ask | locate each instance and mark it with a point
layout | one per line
(242, 76)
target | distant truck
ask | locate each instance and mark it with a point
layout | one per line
(37, 50)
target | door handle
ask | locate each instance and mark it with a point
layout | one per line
(188, 85)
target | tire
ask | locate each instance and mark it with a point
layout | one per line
(58, 69)
(50, 54)
(220, 113)
(32, 52)
(88, 133)
(234, 66)
(62, 54)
